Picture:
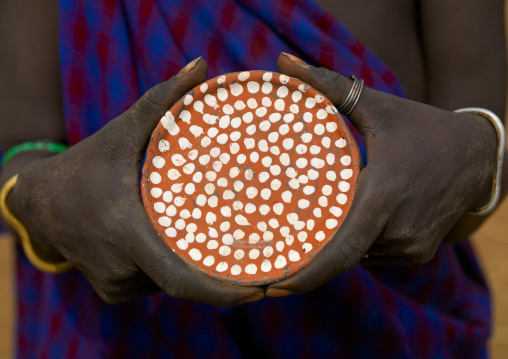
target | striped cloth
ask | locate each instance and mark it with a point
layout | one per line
(112, 51)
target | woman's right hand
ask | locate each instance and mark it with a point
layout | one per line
(84, 205)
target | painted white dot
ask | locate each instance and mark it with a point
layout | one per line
(315, 149)
(217, 165)
(177, 187)
(319, 129)
(159, 207)
(185, 214)
(331, 126)
(326, 142)
(171, 211)
(213, 201)
(275, 150)
(252, 103)
(226, 211)
(251, 192)
(267, 76)
(249, 174)
(331, 223)
(212, 233)
(170, 232)
(254, 253)
(211, 217)
(302, 236)
(301, 149)
(294, 109)
(204, 87)
(336, 211)
(293, 256)
(211, 101)
(251, 268)
(190, 188)
(279, 246)
(155, 178)
(341, 198)
(275, 170)
(238, 186)
(282, 91)
(253, 87)
(321, 114)
(196, 213)
(236, 269)
(239, 254)
(264, 125)
(235, 136)
(344, 186)
(299, 225)
(284, 79)
(274, 117)
(290, 172)
(268, 251)
(221, 267)
(222, 94)
(306, 137)
(263, 146)
(310, 102)
(280, 262)
(346, 174)
(198, 106)
(310, 224)
(286, 196)
(236, 89)
(274, 223)
(267, 236)
(237, 205)
(210, 119)
(254, 238)
(331, 175)
(283, 129)
(345, 160)
(266, 88)
(238, 234)
(250, 208)
(164, 146)
(327, 190)
(221, 79)
(292, 218)
(266, 161)
(228, 194)
(195, 254)
(265, 101)
(156, 192)
(209, 261)
(278, 208)
(227, 109)
(290, 240)
(317, 163)
(296, 96)
(264, 209)
(265, 193)
(313, 174)
(242, 76)
(182, 244)
(306, 247)
(301, 162)
(193, 155)
(180, 224)
(266, 266)
(247, 117)
(288, 143)
(320, 236)
(323, 201)
(158, 161)
(284, 159)
(227, 239)
(297, 127)
(189, 168)
(205, 141)
(341, 143)
(249, 143)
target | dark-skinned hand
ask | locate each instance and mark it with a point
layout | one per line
(426, 168)
(84, 205)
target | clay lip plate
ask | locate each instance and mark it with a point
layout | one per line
(249, 175)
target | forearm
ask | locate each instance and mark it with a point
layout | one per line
(30, 91)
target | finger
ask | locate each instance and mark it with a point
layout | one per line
(174, 276)
(372, 106)
(363, 224)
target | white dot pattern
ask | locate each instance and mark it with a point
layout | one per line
(251, 173)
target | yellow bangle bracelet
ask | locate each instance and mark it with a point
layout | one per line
(20, 229)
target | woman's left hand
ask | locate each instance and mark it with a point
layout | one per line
(426, 168)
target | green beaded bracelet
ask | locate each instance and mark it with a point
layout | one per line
(32, 146)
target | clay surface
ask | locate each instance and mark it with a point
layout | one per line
(249, 175)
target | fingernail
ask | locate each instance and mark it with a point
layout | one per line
(296, 60)
(188, 67)
(253, 298)
(276, 292)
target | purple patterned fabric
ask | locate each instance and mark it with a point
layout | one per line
(112, 51)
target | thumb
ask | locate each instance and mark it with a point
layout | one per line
(137, 124)
(372, 106)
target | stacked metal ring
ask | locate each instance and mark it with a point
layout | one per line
(352, 98)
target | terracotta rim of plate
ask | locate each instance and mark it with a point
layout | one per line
(249, 175)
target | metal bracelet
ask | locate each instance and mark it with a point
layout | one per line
(496, 178)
